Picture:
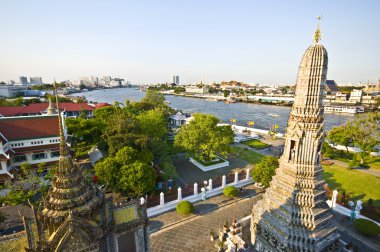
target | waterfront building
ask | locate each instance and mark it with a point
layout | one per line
(69, 109)
(11, 91)
(35, 81)
(356, 96)
(293, 214)
(197, 90)
(331, 87)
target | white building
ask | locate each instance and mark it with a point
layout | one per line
(197, 90)
(356, 96)
(11, 91)
(32, 139)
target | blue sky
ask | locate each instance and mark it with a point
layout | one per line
(210, 40)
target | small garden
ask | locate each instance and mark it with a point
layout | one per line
(257, 144)
(212, 162)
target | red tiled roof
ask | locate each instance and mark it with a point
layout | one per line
(37, 108)
(10, 110)
(36, 148)
(102, 105)
(18, 128)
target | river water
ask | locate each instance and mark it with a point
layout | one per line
(243, 112)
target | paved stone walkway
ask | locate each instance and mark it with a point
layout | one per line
(193, 234)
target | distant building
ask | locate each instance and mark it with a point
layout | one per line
(23, 80)
(36, 81)
(356, 96)
(11, 91)
(197, 90)
(107, 79)
(331, 87)
(11, 82)
(176, 79)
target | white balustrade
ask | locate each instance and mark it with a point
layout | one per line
(195, 188)
(210, 184)
(247, 175)
(223, 181)
(162, 200)
(236, 177)
(179, 194)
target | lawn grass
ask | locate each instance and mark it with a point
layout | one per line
(357, 184)
(372, 162)
(257, 144)
(248, 155)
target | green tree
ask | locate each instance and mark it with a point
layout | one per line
(342, 135)
(125, 173)
(264, 170)
(153, 97)
(366, 132)
(26, 185)
(203, 138)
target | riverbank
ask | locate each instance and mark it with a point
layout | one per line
(239, 111)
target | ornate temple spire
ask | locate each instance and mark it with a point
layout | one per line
(317, 33)
(63, 149)
(70, 193)
(51, 110)
(293, 214)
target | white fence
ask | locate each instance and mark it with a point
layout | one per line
(210, 192)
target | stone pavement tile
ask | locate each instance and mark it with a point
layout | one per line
(193, 234)
(162, 220)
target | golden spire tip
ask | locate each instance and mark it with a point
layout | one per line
(317, 33)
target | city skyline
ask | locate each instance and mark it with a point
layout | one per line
(214, 41)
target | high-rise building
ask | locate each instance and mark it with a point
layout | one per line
(293, 214)
(176, 79)
(36, 80)
(23, 80)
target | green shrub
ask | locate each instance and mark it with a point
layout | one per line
(230, 191)
(367, 227)
(185, 208)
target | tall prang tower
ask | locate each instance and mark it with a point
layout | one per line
(293, 214)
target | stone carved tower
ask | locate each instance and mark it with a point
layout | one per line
(293, 214)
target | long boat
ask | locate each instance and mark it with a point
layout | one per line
(344, 109)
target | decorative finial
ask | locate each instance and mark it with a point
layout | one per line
(63, 150)
(317, 33)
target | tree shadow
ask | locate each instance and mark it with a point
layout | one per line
(205, 207)
(155, 225)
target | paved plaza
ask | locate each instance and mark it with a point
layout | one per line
(192, 234)
(188, 173)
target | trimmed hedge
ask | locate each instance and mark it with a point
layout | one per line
(367, 227)
(230, 191)
(185, 208)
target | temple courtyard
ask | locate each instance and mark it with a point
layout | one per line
(172, 232)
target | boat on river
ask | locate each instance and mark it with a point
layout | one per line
(273, 115)
(344, 109)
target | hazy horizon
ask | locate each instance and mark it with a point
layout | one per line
(148, 42)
